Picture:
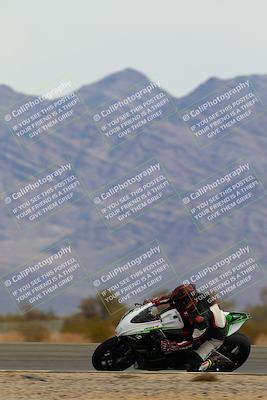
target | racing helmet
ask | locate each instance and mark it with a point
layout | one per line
(184, 297)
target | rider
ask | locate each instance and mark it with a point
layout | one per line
(204, 325)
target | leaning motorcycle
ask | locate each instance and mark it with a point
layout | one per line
(138, 336)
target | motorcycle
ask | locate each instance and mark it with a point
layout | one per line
(138, 335)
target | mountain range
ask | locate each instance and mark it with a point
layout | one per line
(97, 164)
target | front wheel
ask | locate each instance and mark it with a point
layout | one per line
(237, 348)
(112, 355)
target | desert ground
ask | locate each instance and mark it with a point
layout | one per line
(132, 386)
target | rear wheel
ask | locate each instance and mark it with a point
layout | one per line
(112, 355)
(237, 348)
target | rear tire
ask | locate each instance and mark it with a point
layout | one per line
(112, 355)
(237, 348)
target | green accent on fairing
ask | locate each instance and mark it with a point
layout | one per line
(151, 329)
(235, 318)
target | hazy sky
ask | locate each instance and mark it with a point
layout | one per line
(181, 43)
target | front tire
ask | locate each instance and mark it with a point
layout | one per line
(112, 355)
(237, 348)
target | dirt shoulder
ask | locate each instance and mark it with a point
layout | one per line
(133, 386)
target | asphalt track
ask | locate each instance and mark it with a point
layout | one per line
(77, 357)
